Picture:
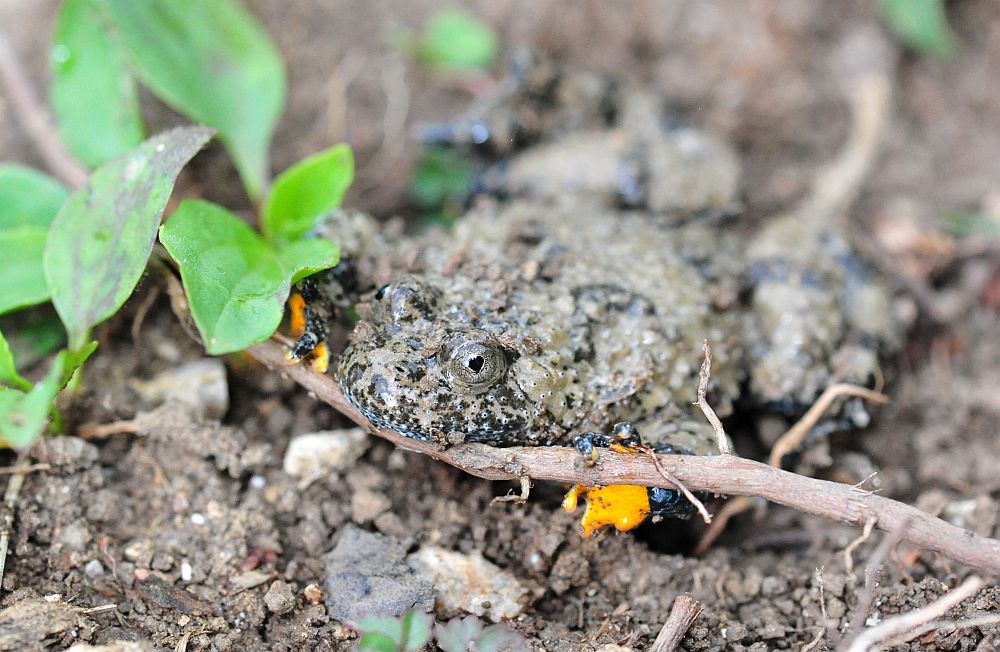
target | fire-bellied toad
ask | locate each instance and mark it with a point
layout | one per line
(537, 320)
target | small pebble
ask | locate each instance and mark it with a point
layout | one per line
(367, 505)
(470, 584)
(93, 569)
(313, 594)
(319, 453)
(279, 598)
(115, 646)
(198, 519)
(186, 571)
(257, 482)
(200, 385)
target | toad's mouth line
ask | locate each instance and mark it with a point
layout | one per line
(514, 433)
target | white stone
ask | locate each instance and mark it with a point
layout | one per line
(93, 569)
(470, 584)
(200, 385)
(318, 453)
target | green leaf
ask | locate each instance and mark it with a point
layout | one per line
(970, 223)
(22, 279)
(94, 95)
(29, 201)
(382, 629)
(456, 635)
(213, 62)
(8, 372)
(306, 257)
(496, 638)
(235, 285)
(28, 198)
(442, 176)
(33, 334)
(24, 414)
(100, 240)
(416, 630)
(920, 24)
(307, 191)
(454, 39)
(377, 643)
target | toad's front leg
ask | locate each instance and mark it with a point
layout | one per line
(623, 506)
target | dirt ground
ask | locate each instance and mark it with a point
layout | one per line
(189, 523)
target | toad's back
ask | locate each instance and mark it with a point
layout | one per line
(595, 316)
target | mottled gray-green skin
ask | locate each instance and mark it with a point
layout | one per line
(542, 319)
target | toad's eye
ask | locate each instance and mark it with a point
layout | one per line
(405, 299)
(476, 365)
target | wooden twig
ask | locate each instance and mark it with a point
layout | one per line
(682, 614)
(725, 447)
(821, 632)
(36, 119)
(732, 507)
(28, 468)
(8, 508)
(909, 622)
(723, 474)
(792, 439)
(868, 526)
(965, 623)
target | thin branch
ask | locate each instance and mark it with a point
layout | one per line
(672, 479)
(966, 623)
(29, 468)
(908, 622)
(682, 614)
(821, 632)
(9, 507)
(732, 507)
(35, 118)
(725, 447)
(866, 532)
(723, 474)
(792, 439)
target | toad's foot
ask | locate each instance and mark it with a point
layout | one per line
(308, 324)
(623, 506)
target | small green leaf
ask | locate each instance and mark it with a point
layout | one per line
(920, 24)
(389, 627)
(235, 285)
(95, 98)
(971, 223)
(307, 191)
(33, 334)
(454, 39)
(416, 630)
(29, 201)
(22, 279)
(442, 176)
(456, 635)
(100, 240)
(377, 643)
(28, 198)
(213, 62)
(498, 638)
(8, 372)
(306, 257)
(24, 414)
